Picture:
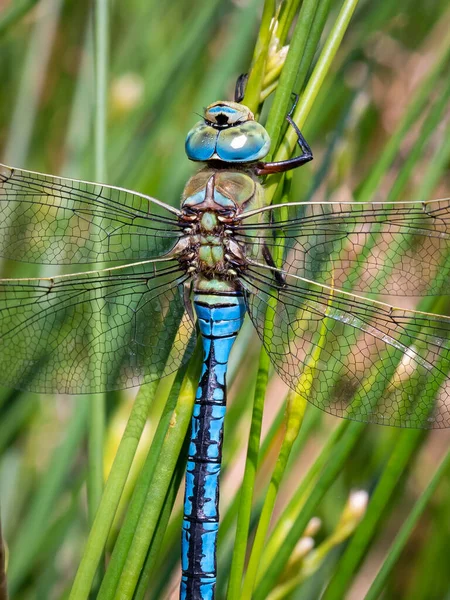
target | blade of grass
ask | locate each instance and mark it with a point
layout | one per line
(3, 583)
(294, 421)
(312, 89)
(33, 529)
(378, 584)
(101, 26)
(288, 10)
(248, 482)
(13, 13)
(312, 42)
(255, 80)
(288, 76)
(157, 492)
(125, 537)
(153, 561)
(32, 84)
(98, 401)
(296, 417)
(327, 477)
(295, 411)
(112, 493)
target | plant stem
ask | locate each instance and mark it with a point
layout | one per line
(288, 75)
(130, 523)
(101, 86)
(14, 12)
(312, 89)
(248, 483)
(296, 411)
(157, 492)
(404, 534)
(112, 493)
(407, 445)
(98, 401)
(341, 452)
(255, 81)
(3, 584)
(33, 529)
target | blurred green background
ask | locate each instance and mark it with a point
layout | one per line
(379, 128)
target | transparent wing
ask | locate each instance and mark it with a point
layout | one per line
(375, 248)
(94, 331)
(52, 220)
(353, 357)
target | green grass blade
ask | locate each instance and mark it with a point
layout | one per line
(407, 445)
(98, 401)
(112, 493)
(157, 492)
(286, 84)
(294, 421)
(128, 528)
(14, 12)
(153, 561)
(33, 529)
(101, 21)
(312, 89)
(256, 76)
(3, 582)
(295, 411)
(248, 482)
(327, 477)
(404, 534)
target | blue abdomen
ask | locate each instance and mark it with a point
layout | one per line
(220, 318)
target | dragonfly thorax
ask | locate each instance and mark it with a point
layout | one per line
(208, 249)
(212, 202)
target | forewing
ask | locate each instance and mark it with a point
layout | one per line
(101, 330)
(52, 220)
(353, 357)
(376, 248)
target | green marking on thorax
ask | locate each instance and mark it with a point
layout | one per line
(209, 221)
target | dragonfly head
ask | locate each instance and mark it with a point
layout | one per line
(227, 114)
(228, 133)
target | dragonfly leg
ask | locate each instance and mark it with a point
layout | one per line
(294, 106)
(279, 277)
(267, 168)
(241, 84)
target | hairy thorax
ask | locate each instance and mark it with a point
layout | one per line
(212, 201)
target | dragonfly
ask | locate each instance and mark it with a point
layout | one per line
(308, 274)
